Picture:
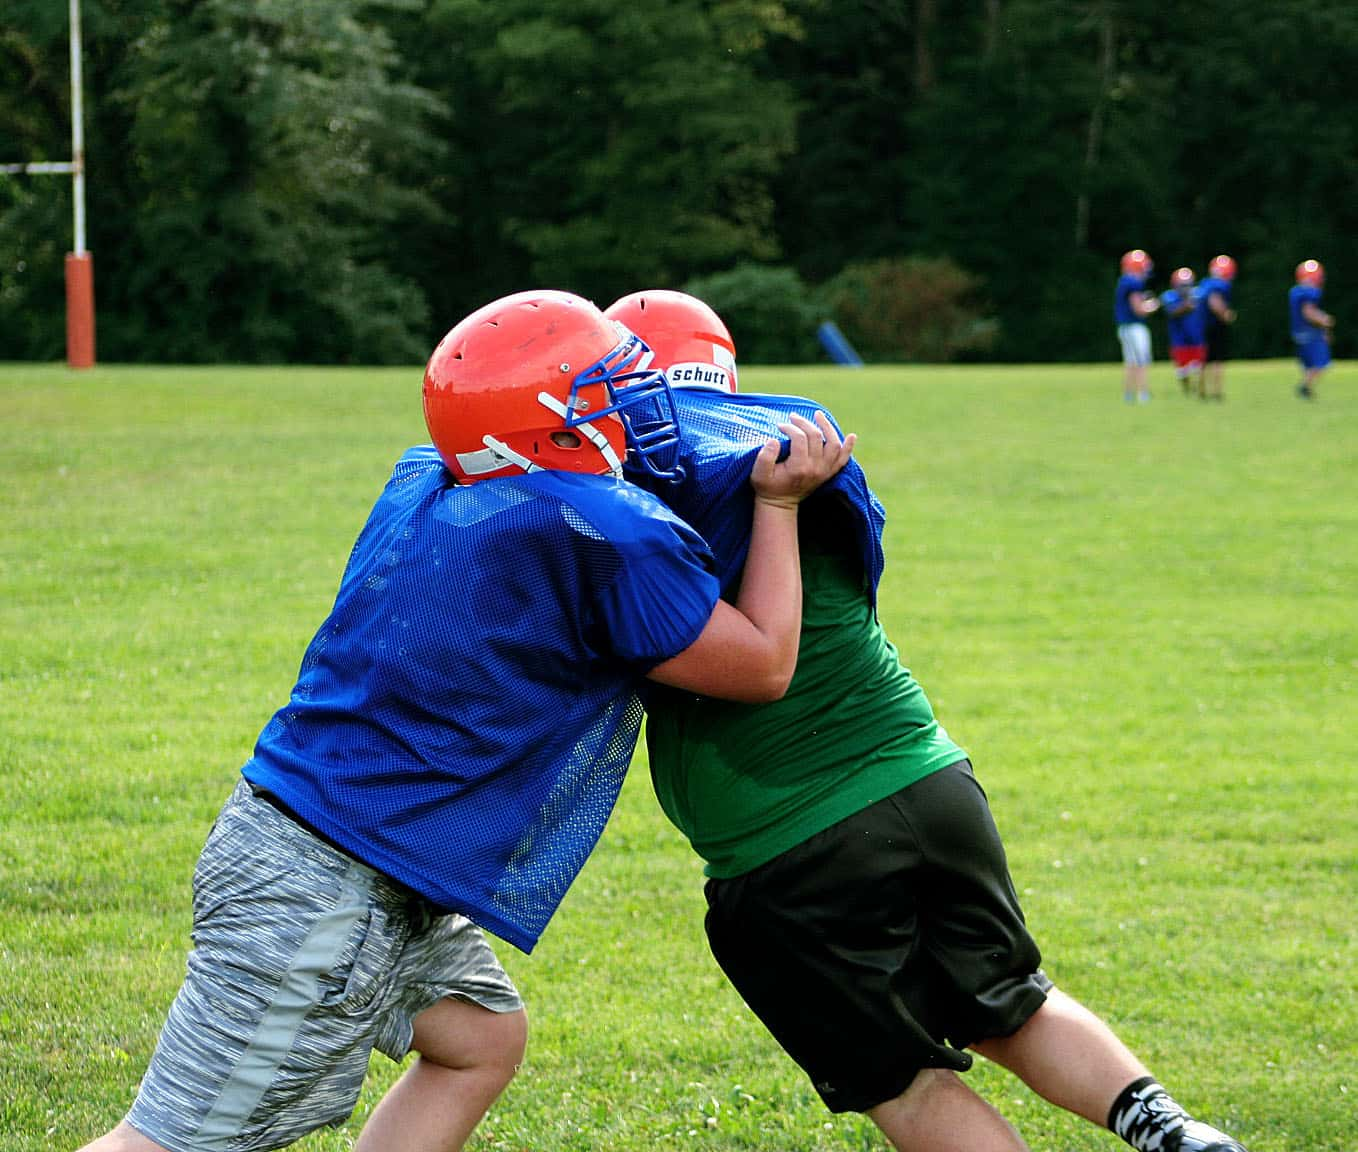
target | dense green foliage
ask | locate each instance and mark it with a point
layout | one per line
(914, 309)
(772, 312)
(340, 182)
(1138, 621)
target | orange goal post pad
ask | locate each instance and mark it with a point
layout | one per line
(80, 310)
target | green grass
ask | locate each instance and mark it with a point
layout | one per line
(1140, 622)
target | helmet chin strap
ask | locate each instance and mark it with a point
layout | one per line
(505, 452)
(592, 434)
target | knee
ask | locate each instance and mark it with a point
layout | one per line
(511, 1042)
(930, 1084)
(933, 1098)
(466, 1037)
(499, 1046)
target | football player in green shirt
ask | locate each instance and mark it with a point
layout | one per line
(859, 898)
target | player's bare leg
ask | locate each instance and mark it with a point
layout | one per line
(1070, 1057)
(123, 1138)
(1067, 1055)
(1136, 387)
(1213, 384)
(468, 1055)
(939, 1113)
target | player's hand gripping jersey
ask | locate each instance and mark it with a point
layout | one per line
(722, 435)
(401, 742)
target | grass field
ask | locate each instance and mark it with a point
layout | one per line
(1142, 623)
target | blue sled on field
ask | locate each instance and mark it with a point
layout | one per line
(836, 346)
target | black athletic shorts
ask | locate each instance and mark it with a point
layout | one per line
(1218, 342)
(885, 944)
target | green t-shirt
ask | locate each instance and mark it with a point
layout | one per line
(745, 782)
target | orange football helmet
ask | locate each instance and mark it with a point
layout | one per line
(1181, 278)
(1311, 272)
(1222, 266)
(1137, 263)
(689, 340)
(543, 379)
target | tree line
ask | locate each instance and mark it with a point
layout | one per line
(331, 181)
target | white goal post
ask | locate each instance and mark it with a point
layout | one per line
(79, 262)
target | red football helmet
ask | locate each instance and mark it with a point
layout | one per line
(1222, 266)
(690, 342)
(1311, 272)
(1137, 263)
(1181, 278)
(544, 380)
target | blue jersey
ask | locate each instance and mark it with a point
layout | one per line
(1122, 305)
(1297, 297)
(463, 719)
(1208, 287)
(722, 435)
(1185, 328)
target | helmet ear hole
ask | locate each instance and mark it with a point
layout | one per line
(565, 438)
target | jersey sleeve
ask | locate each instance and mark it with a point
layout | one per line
(661, 598)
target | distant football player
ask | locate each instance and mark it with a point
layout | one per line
(1311, 325)
(1179, 303)
(457, 737)
(1214, 301)
(858, 894)
(1132, 303)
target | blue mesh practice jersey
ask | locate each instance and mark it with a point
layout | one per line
(1185, 328)
(722, 434)
(1127, 284)
(1208, 287)
(1298, 296)
(463, 719)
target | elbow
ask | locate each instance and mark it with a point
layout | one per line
(770, 687)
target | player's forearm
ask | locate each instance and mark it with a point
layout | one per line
(770, 595)
(1317, 316)
(748, 652)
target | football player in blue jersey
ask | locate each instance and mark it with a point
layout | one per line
(1179, 303)
(457, 736)
(1131, 305)
(858, 894)
(1214, 295)
(1311, 326)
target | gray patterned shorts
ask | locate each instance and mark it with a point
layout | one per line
(303, 962)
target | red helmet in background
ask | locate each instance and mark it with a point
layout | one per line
(543, 379)
(1311, 272)
(1137, 263)
(691, 344)
(1182, 278)
(1222, 266)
